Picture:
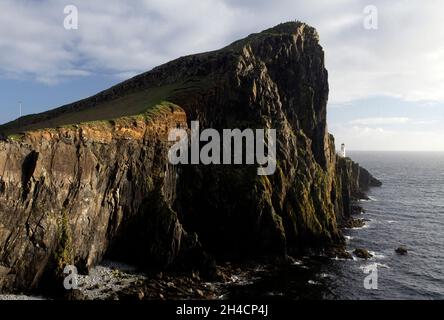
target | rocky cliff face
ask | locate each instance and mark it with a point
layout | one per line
(72, 194)
(354, 181)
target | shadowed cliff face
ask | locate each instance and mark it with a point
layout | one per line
(72, 194)
(275, 79)
(69, 194)
(354, 181)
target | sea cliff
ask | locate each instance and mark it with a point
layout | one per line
(72, 193)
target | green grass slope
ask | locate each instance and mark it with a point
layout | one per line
(130, 104)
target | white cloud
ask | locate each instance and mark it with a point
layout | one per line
(403, 58)
(380, 121)
(114, 37)
(369, 138)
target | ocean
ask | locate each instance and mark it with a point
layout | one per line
(408, 210)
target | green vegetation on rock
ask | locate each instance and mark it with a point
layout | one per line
(63, 256)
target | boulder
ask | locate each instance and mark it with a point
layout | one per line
(357, 209)
(353, 223)
(362, 253)
(401, 251)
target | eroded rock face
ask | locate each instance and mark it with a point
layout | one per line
(73, 194)
(70, 194)
(354, 181)
(275, 79)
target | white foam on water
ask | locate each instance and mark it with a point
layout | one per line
(365, 226)
(373, 265)
(339, 259)
(376, 255)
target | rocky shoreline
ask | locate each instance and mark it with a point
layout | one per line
(119, 281)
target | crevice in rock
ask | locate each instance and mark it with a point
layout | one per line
(28, 168)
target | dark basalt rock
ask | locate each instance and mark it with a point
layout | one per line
(73, 194)
(354, 182)
(355, 210)
(339, 251)
(401, 251)
(366, 180)
(353, 223)
(362, 253)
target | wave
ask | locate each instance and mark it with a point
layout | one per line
(365, 226)
(376, 255)
(370, 199)
(373, 265)
(340, 259)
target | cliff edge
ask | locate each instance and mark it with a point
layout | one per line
(92, 179)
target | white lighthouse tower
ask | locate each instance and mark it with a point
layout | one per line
(343, 153)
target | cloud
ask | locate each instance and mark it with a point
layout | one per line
(380, 121)
(404, 58)
(401, 61)
(114, 37)
(360, 137)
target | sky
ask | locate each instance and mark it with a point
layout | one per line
(386, 83)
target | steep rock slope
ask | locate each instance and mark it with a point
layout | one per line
(73, 193)
(67, 193)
